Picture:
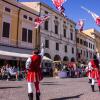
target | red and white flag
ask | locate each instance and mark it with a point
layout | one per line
(94, 15)
(39, 20)
(59, 5)
(98, 21)
(81, 24)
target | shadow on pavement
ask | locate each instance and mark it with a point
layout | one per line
(48, 82)
(51, 84)
(10, 87)
(65, 98)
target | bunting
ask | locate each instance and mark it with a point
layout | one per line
(94, 15)
(81, 24)
(39, 20)
(59, 5)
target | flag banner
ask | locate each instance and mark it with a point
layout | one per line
(59, 5)
(81, 24)
(94, 15)
(39, 20)
(98, 21)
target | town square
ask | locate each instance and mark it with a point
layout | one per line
(49, 50)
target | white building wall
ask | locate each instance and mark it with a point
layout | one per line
(50, 34)
(53, 38)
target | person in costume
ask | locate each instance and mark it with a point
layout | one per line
(88, 71)
(95, 72)
(34, 72)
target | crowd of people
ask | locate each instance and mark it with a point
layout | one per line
(70, 70)
(10, 72)
(34, 71)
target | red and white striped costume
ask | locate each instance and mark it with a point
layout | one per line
(95, 69)
(88, 70)
(35, 73)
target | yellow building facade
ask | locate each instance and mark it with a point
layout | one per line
(17, 33)
(96, 35)
(86, 46)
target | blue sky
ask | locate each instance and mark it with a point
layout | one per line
(74, 11)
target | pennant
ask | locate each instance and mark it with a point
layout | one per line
(94, 15)
(80, 24)
(39, 20)
(59, 5)
(98, 21)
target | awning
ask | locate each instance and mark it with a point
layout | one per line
(20, 55)
(14, 54)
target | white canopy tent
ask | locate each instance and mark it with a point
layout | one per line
(14, 54)
(20, 55)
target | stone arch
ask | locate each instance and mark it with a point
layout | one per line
(66, 58)
(47, 55)
(72, 59)
(57, 58)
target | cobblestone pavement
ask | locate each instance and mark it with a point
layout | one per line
(52, 89)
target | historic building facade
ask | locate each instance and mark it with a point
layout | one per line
(86, 46)
(96, 36)
(57, 33)
(17, 35)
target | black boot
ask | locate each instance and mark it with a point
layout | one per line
(90, 81)
(92, 86)
(99, 88)
(37, 96)
(30, 95)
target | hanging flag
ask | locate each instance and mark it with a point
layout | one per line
(39, 20)
(59, 5)
(98, 21)
(94, 15)
(81, 24)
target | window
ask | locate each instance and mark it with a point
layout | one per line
(6, 29)
(46, 25)
(46, 12)
(77, 40)
(93, 46)
(71, 26)
(56, 17)
(56, 29)
(57, 46)
(47, 43)
(81, 41)
(81, 51)
(27, 35)
(30, 36)
(72, 50)
(25, 16)
(71, 36)
(84, 52)
(30, 18)
(86, 44)
(65, 48)
(64, 31)
(89, 45)
(87, 53)
(7, 9)
(24, 34)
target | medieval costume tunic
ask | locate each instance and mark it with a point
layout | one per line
(95, 69)
(95, 73)
(35, 73)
